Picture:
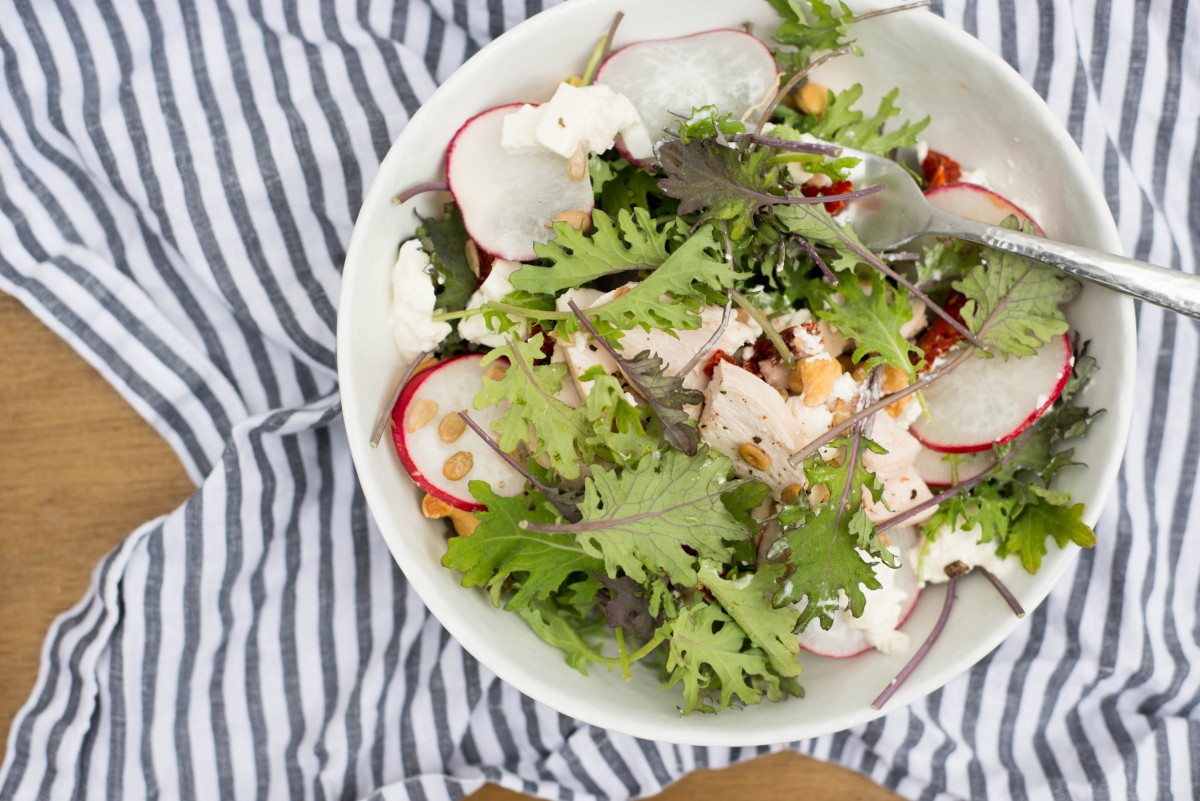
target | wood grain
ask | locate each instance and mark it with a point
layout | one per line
(79, 470)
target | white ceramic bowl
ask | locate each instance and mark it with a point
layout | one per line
(983, 113)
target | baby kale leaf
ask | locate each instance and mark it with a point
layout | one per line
(534, 415)
(723, 183)
(873, 320)
(1013, 303)
(709, 656)
(694, 273)
(826, 561)
(747, 599)
(846, 125)
(445, 240)
(500, 550)
(809, 27)
(1043, 519)
(658, 517)
(630, 242)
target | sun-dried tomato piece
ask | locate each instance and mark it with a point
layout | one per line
(835, 188)
(718, 355)
(940, 336)
(939, 169)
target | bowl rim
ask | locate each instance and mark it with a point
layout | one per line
(930, 680)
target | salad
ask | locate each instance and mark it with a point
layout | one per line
(675, 413)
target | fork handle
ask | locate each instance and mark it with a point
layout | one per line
(1171, 289)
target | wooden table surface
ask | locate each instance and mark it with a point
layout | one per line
(79, 470)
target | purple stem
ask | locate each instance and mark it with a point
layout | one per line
(1004, 591)
(804, 243)
(871, 259)
(419, 189)
(608, 40)
(815, 148)
(908, 669)
(565, 509)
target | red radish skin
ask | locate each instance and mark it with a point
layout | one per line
(679, 74)
(425, 466)
(977, 203)
(508, 198)
(936, 473)
(952, 429)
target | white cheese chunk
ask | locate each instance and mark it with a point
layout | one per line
(951, 545)
(587, 117)
(411, 313)
(494, 288)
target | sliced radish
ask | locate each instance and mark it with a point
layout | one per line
(426, 416)
(937, 471)
(846, 637)
(508, 199)
(976, 203)
(665, 78)
(989, 402)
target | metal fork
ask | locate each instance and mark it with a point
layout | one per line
(890, 218)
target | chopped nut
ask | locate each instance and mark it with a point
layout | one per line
(894, 379)
(464, 523)
(496, 371)
(817, 377)
(471, 251)
(842, 410)
(419, 414)
(818, 495)
(742, 316)
(754, 456)
(579, 220)
(791, 493)
(458, 465)
(812, 98)
(619, 291)
(451, 427)
(897, 408)
(434, 508)
(577, 165)
(957, 568)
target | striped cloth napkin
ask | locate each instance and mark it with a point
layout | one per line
(178, 182)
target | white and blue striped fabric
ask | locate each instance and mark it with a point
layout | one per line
(178, 182)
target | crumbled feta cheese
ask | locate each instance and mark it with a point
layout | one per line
(411, 315)
(494, 287)
(952, 545)
(884, 608)
(588, 117)
(845, 388)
